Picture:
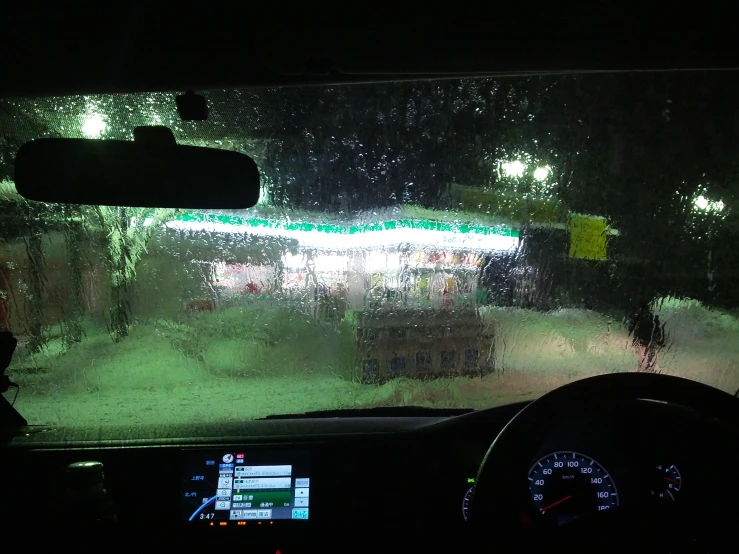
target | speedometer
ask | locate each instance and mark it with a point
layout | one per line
(567, 485)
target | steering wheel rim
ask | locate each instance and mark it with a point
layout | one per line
(497, 506)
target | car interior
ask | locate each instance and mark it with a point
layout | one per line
(472, 415)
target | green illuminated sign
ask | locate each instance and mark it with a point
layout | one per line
(421, 224)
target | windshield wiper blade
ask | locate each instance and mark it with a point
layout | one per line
(383, 411)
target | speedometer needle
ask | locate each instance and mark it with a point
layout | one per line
(553, 504)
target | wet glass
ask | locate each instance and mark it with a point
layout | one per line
(451, 243)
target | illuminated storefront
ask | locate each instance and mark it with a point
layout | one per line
(405, 261)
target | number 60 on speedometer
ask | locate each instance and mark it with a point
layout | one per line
(567, 485)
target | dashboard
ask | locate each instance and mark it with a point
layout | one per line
(651, 456)
(292, 485)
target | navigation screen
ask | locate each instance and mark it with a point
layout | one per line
(224, 488)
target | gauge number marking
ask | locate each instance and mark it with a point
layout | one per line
(570, 484)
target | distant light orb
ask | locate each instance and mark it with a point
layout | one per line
(513, 169)
(703, 203)
(541, 173)
(94, 126)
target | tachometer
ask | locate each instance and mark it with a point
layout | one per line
(567, 485)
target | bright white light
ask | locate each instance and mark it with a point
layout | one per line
(324, 263)
(359, 241)
(383, 261)
(541, 173)
(703, 203)
(294, 262)
(94, 126)
(513, 169)
(334, 263)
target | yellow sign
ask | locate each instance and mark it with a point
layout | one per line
(420, 284)
(588, 237)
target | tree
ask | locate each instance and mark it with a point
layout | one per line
(72, 331)
(126, 233)
(30, 223)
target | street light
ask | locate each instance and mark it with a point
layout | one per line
(703, 203)
(94, 126)
(513, 169)
(541, 173)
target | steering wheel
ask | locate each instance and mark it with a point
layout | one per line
(501, 503)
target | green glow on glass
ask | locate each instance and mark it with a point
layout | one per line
(420, 224)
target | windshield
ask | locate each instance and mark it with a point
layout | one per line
(451, 244)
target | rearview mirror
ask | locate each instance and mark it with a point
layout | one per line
(136, 174)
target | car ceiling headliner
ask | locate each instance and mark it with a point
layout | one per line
(55, 52)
